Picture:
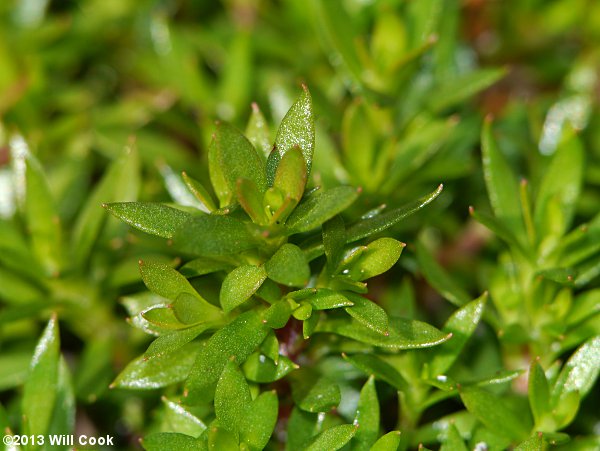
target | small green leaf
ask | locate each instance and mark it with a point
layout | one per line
(579, 373)
(240, 284)
(160, 371)
(403, 333)
(314, 393)
(373, 365)
(63, 417)
(179, 419)
(438, 278)
(534, 443)
(160, 441)
(379, 256)
(333, 438)
(240, 338)
(259, 420)
(494, 412)
(251, 200)
(387, 219)
(288, 266)
(539, 392)
(278, 314)
(501, 183)
(367, 417)
(302, 426)
(174, 340)
(150, 217)
(199, 192)
(257, 132)
(389, 442)
(232, 398)
(220, 438)
(296, 129)
(368, 313)
(501, 230)
(202, 266)
(319, 208)
(260, 368)
(213, 235)
(453, 441)
(334, 241)
(461, 325)
(325, 299)
(290, 177)
(40, 390)
(303, 312)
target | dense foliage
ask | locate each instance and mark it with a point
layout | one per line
(257, 259)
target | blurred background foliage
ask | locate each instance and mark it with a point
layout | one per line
(400, 89)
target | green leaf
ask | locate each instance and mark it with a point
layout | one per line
(63, 416)
(325, 299)
(367, 417)
(334, 241)
(259, 420)
(297, 128)
(40, 390)
(172, 341)
(160, 441)
(213, 235)
(534, 443)
(494, 412)
(562, 182)
(403, 333)
(539, 392)
(379, 256)
(180, 420)
(119, 183)
(251, 200)
(438, 278)
(302, 426)
(232, 398)
(202, 266)
(333, 438)
(14, 367)
(278, 314)
(579, 373)
(240, 284)
(314, 393)
(220, 438)
(368, 313)
(387, 219)
(319, 208)
(169, 283)
(288, 266)
(389, 442)
(238, 339)
(257, 132)
(454, 441)
(199, 192)
(260, 368)
(461, 325)
(290, 177)
(160, 371)
(501, 230)
(373, 365)
(150, 217)
(501, 183)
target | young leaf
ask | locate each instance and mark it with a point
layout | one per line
(368, 313)
(319, 208)
(538, 391)
(334, 240)
(389, 442)
(333, 438)
(461, 325)
(251, 200)
(213, 235)
(367, 417)
(150, 217)
(239, 339)
(260, 368)
(495, 414)
(199, 192)
(379, 256)
(501, 183)
(313, 393)
(240, 284)
(232, 398)
(290, 177)
(257, 132)
(259, 420)
(296, 129)
(40, 390)
(161, 371)
(288, 266)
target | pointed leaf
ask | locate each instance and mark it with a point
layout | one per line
(257, 132)
(368, 313)
(199, 192)
(367, 417)
(373, 365)
(334, 241)
(389, 442)
(288, 266)
(181, 420)
(150, 217)
(63, 416)
(232, 397)
(314, 393)
(174, 340)
(251, 200)
(379, 256)
(538, 391)
(40, 390)
(240, 284)
(454, 441)
(333, 438)
(259, 420)
(320, 207)
(290, 177)
(240, 338)
(302, 426)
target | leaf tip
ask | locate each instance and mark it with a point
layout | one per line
(489, 118)
(471, 210)
(255, 108)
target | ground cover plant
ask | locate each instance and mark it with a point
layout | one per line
(293, 275)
